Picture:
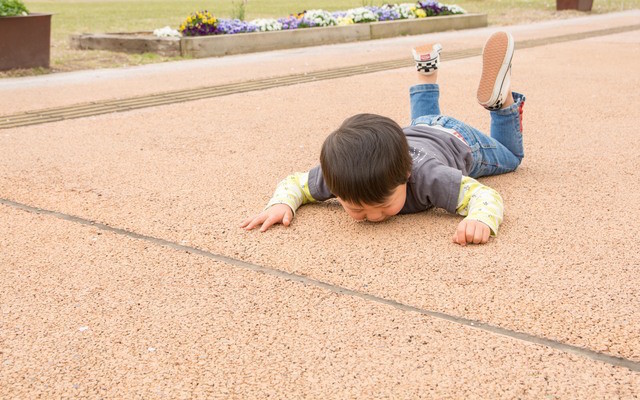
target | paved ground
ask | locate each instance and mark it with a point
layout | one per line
(133, 280)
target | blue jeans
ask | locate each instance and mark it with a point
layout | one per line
(492, 155)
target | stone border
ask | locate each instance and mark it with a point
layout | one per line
(133, 42)
(220, 45)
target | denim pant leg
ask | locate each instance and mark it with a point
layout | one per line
(424, 100)
(492, 155)
(503, 151)
(506, 126)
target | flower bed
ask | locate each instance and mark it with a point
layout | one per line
(203, 23)
(169, 42)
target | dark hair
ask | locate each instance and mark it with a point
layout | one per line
(365, 159)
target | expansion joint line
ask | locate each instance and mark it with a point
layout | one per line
(525, 337)
(82, 110)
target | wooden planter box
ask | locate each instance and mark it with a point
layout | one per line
(220, 45)
(25, 41)
(580, 5)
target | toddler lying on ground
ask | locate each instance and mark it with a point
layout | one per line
(376, 169)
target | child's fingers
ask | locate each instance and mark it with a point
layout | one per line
(246, 222)
(461, 233)
(287, 218)
(470, 232)
(485, 235)
(272, 219)
(257, 220)
(479, 233)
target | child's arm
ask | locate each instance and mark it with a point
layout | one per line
(483, 209)
(291, 193)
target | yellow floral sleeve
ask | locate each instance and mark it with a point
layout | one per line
(481, 203)
(292, 191)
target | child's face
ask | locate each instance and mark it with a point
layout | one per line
(379, 212)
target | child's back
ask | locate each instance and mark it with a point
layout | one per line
(376, 169)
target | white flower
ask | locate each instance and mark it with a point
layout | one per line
(166, 32)
(267, 24)
(405, 10)
(456, 9)
(320, 17)
(362, 14)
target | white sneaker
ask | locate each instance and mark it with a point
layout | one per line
(496, 70)
(427, 58)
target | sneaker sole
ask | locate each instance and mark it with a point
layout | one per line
(425, 51)
(496, 58)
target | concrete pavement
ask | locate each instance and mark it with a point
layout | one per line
(327, 308)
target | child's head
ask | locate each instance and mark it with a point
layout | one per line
(366, 164)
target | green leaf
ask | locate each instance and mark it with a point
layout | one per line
(10, 8)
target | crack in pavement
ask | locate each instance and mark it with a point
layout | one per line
(522, 336)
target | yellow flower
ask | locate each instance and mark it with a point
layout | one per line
(345, 21)
(421, 13)
(189, 20)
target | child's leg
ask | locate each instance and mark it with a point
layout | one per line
(503, 151)
(506, 125)
(490, 157)
(494, 92)
(425, 95)
(424, 101)
(499, 153)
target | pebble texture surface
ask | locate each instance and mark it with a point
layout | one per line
(41, 92)
(92, 314)
(88, 312)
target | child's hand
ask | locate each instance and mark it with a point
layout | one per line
(471, 231)
(277, 213)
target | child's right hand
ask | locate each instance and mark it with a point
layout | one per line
(277, 213)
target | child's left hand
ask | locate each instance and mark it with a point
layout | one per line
(471, 231)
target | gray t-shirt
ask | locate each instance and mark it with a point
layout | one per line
(439, 161)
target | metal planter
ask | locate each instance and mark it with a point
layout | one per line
(580, 5)
(25, 41)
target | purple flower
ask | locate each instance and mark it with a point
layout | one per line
(306, 23)
(385, 13)
(233, 26)
(290, 22)
(432, 8)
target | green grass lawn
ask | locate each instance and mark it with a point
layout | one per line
(93, 16)
(73, 16)
(76, 16)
